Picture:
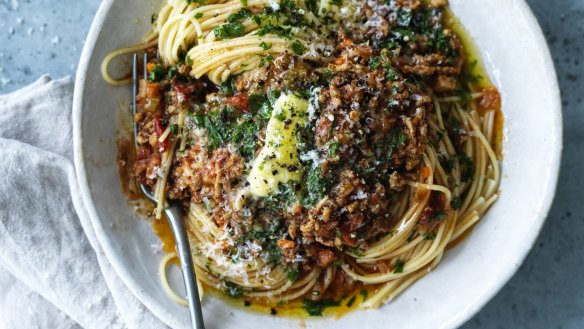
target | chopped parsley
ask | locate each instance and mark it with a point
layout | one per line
(157, 73)
(338, 262)
(468, 169)
(229, 30)
(262, 105)
(244, 134)
(326, 76)
(273, 96)
(364, 293)
(404, 17)
(333, 149)
(439, 217)
(172, 71)
(374, 62)
(266, 59)
(391, 73)
(198, 15)
(278, 30)
(317, 307)
(468, 76)
(174, 129)
(298, 48)
(351, 301)
(456, 203)
(267, 238)
(232, 290)
(228, 87)
(242, 14)
(316, 186)
(399, 266)
(228, 125)
(292, 273)
(213, 124)
(265, 112)
(465, 95)
(280, 116)
(413, 23)
(394, 139)
(256, 102)
(285, 196)
(265, 46)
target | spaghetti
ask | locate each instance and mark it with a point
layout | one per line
(321, 148)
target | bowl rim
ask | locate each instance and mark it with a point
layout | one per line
(462, 317)
(79, 161)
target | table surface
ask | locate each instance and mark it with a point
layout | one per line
(46, 36)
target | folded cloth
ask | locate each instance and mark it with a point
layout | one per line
(53, 271)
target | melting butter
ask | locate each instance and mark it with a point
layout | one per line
(278, 161)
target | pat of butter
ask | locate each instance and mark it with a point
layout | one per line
(278, 161)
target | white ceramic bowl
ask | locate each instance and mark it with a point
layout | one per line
(518, 61)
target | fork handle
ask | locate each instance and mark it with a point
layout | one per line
(174, 214)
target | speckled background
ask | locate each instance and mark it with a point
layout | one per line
(46, 36)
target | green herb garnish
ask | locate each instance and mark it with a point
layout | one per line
(157, 73)
(317, 307)
(256, 101)
(292, 273)
(278, 30)
(364, 293)
(399, 266)
(391, 73)
(265, 46)
(333, 149)
(232, 290)
(439, 217)
(456, 203)
(229, 30)
(468, 169)
(242, 14)
(298, 48)
(373, 62)
(229, 125)
(316, 186)
(351, 301)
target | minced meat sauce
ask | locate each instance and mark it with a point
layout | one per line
(365, 134)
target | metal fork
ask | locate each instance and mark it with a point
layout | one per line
(174, 214)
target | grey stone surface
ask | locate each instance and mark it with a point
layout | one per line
(41, 36)
(46, 36)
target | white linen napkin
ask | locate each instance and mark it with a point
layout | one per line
(53, 272)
